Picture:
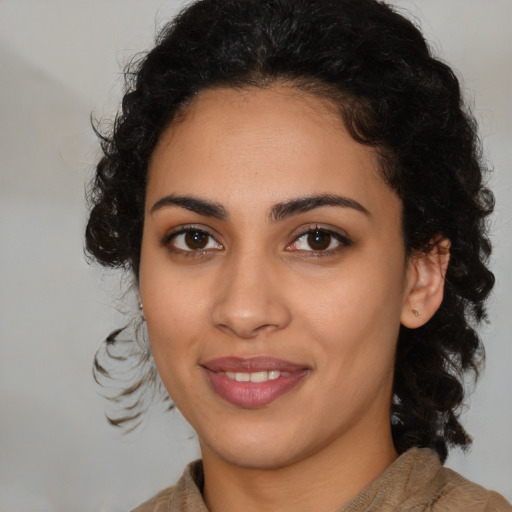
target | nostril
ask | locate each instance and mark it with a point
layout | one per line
(245, 329)
(248, 303)
(250, 322)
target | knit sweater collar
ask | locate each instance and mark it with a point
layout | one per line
(403, 482)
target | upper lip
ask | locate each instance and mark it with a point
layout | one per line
(252, 364)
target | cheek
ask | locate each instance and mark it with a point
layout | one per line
(172, 307)
(352, 302)
(354, 317)
(175, 342)
(172, 317)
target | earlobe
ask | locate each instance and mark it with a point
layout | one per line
(425, 284)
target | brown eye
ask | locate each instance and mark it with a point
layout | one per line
(196, 240)
(192, 240)
(319, 240)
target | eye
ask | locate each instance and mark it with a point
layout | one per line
(319, 240)
(192, 240)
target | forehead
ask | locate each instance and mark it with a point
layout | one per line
(264, 146)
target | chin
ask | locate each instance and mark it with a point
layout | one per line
(257, 458)
(259, 451)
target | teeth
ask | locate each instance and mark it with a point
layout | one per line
(263, 376)
(259, 377)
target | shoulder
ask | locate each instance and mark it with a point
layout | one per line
(454, 492)
(435, 488)
(158, 503)
(418, 482)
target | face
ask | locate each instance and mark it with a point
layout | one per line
(273, 277)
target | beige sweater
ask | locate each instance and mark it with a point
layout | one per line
(415, 482)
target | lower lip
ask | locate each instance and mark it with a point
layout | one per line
(252, 395)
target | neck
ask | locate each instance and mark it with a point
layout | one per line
(324, 481)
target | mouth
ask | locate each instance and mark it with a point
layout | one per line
(263, 376)
(253, 382)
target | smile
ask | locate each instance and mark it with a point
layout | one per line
(263, 376)
(254, 382)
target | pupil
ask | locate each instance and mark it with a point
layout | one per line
(196, 240)
(319, 240)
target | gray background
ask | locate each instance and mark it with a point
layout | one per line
(60, 61)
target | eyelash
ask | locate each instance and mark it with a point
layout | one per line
(184, 230)
(342, 240)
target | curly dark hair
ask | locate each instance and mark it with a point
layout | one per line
(394, 96)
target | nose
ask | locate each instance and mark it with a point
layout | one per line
(249, 299)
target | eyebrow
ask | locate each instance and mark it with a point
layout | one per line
(279, 211)
(194, 204)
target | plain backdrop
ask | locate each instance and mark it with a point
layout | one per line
(60, 61)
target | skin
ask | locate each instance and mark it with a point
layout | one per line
(257, 288)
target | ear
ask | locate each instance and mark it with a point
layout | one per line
(426, 273)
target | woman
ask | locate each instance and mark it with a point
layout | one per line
(297, 189)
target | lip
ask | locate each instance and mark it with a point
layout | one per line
(252, 395)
